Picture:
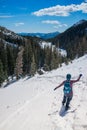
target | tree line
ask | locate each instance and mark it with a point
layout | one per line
(27, 58)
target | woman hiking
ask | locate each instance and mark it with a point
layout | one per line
(68, 91)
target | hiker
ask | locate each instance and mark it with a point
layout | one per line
(68, 92)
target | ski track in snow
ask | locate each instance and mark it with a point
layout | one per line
(31, 104)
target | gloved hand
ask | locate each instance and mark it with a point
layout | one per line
(55, 88)
(80, 75)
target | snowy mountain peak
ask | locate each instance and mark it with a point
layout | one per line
(6, 32)
(80, 22)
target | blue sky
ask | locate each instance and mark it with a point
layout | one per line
(41, 15)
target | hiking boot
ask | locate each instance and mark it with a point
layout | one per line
(63, 103)
(67, 108)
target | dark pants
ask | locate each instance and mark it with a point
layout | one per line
(67, 99)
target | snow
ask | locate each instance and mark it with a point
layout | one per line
(9, 33)
(45, 44)
(62, 52)
(8, 43)
(49, 44)
(31, 103)
(5, 32)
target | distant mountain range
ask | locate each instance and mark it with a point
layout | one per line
(40, 35)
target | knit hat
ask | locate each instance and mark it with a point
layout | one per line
(68, 76)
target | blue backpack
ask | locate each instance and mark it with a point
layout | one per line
(67, 88)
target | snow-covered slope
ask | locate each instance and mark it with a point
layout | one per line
(31, 104)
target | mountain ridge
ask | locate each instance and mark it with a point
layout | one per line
(73, 40)
(9, 37)
(40, 35)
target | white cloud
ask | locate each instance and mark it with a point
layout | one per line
(85, 0)
(60, 26)
(19, 24)
(65, 25)
(51, 22)
(56, 27)
(54, 22)
(59, 10)
(83, 7)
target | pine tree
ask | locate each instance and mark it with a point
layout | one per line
(5, 64)
(27, 57)
(52, 65)
(10, 61)
(66, 61)
(33, 66)
(19, 63)
(84, 45)
(48, 52)
(55, 59)
(3, 57)
(2, 78)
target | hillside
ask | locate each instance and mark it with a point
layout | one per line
(31, 104)
(9, 37)
(73, 40)
(25, 55)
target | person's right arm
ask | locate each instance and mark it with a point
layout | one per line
(73, 81)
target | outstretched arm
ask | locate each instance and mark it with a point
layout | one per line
(59, 86)
(77, 79)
